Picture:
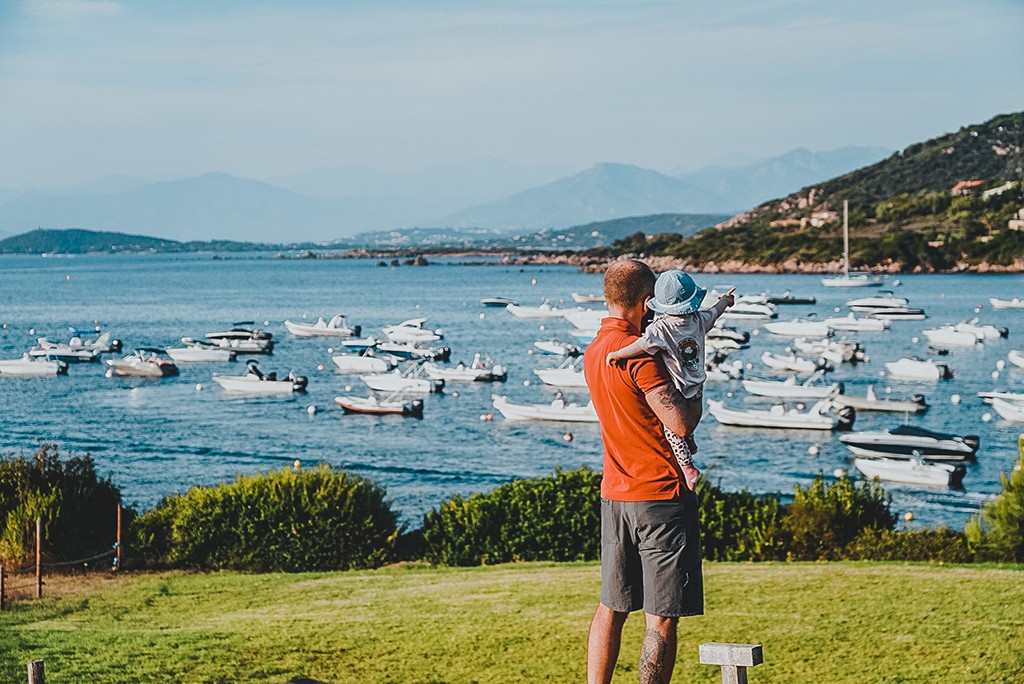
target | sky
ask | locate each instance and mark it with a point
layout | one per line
(156, 89)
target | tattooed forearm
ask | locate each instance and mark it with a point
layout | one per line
(670, 397)
(652, 658)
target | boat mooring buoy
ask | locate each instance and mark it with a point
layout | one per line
(813, 450)
(320, 366)
(1000, 365)
(541, 327)
(311, 410)
(567, 436)
(908, 516)
(483, 316)
(526, 383)
(986, 417)
(839, 472)
(455, 393)
(297, 464)
(954, 399)
(199, 387)
(533, 281)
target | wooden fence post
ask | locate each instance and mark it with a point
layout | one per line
(117, 558)
(36, 673)
(39, 560)
(734, 659)
(1, 587)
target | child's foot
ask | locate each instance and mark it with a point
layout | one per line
(691, 444)
(692, 475)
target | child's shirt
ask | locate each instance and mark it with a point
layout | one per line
(681, 341)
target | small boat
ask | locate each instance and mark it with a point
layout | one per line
(817, 417)
(896, 314)
(1016, 358)
(911, 471)
(336, 327)
(409, 381)
(789, 298)
(253, 381)
(727, 333)
(361, 363)
(478, 371)
(811, 388)
(380, 407)
(833, 351)
(240, 340)
(793, 363)
(885, 300)
(557, 348)
(412, 332)
(543, 311)
(557, 410)
(568, 375)
(29, 367)
(917, 369)
(799, 328)
(62, 352)
(144, 362)
(199, 351)
(871, 402)
(1008, 409)
(361, 343)
(104, 344)
(853, 280)
(982, 332)
(587, 298)
(1012, 397)
(497, 301)
(243, 330)
(585, 319)
(1015, 303)
(948, 336)
(851, 322)
(749, 312)
(716, 343)
(410, 350)
(906, 441)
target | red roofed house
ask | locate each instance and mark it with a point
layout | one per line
(965, 187)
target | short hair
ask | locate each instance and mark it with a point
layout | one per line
(628, 283)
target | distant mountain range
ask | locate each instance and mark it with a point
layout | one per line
(331, 203)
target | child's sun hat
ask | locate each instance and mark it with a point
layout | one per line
(675, 293)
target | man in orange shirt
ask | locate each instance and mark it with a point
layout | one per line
(650, 538)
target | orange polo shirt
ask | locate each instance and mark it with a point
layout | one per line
(638, 462)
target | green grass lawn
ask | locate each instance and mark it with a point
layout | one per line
(837, 622)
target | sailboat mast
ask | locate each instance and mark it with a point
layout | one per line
(846, 237)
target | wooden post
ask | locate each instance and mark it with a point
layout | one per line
(1, 587)
(734, 659)
(117, 547)
(39, 562)
(36, 673)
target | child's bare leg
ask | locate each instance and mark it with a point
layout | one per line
(684, 457)
(693, 411)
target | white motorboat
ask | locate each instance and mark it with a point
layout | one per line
(1015, 303)
(361, 363)
(240, 340)
(917, 369)
(907, 441)
(792, 363)
(911, 471)
(200, 352)
(497, 301)
(717, 343)
(718, 368)
(587, 298)
(410, 381)
(408, 350)
(982, 332)
(104, 344)
(788, 298)
(851, 322)
(1012, 397)
(897, 314)
(336, 327)
(144, 362)
(833, 351)
(817, 417)
(948, 336)
(557, 410)
(811, 388)
(871, 402)
(885, 300)
(1016, 358)
(726, 333)
(62, 352)
(361, 343)
(412, 332)
(585, 319)
(799, 328)
(380, 407)
(749, 312)
(853, 280)
(29, 367)
(256, 382)
(477, 371)
(543, 311)
(557, 348)
(568, 375)
(243, 330)
(1009, 410)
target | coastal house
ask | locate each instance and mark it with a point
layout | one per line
(820, 218)
(966, 187)
(997, 190)
(1017, 223)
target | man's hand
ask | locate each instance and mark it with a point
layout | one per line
(690, 477)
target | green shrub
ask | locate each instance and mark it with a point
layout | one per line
(78, 508)
(285, 521)
(823, 519)
(554, 518)
(738, 526)
(998, 532)
(939, 546)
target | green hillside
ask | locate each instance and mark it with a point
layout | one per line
(904, 213)
(80, 241)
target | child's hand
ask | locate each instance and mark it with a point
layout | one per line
(611, 359)
(729, 298)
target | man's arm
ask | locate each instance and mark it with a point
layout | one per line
(667, 404)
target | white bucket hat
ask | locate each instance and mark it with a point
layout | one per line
(675, 293)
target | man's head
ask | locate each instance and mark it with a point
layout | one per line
(628, 284)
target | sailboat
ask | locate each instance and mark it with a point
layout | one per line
(850, 279)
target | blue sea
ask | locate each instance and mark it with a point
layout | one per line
(154, 438)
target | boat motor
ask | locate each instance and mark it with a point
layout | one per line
(919, 400)
(416, 408)
(115, 346)
(945, 372)
(357, 330)
(841, 388)
(441, 354)
(299, 382)
(972, 441)
(437, 386)
(846, 415)
(62, 368)
(1004, 332)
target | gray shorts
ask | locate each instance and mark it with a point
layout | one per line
(651, 558)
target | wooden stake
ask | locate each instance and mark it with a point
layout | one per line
(36, 673)
(39, 566)
(1, 587)
(117, 558)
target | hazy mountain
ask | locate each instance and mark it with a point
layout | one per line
(602, 192)
(750, 184)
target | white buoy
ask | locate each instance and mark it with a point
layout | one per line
(986, 417)
(995, 375)
(1000, 365)
(567, 436)
(915, 340)
(908, 516)
(529, 352)
(311, 409)
(542, 327)
(839, 472)
(199, 387)
(750, 366)
(533, 281)
(417, 307)
(330, 350)
(729, 394)
(266, 323)
(800, 406)
(526, 383)
(31, 331)
(348, 388)
(482, 316)
(954, 399)
(296, 464)
(483, 417)
(881, 374)
(455, 393)
(813, 450)
(755, 332)
(320, 367)
(304, 316)
(888, 390)
(836, 309)
(67, 278)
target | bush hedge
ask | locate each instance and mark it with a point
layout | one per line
(284, 521)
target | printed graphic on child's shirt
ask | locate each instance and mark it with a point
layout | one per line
(689, 353)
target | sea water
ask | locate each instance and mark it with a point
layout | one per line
(154, 438)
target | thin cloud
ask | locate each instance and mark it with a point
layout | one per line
(72, 9)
